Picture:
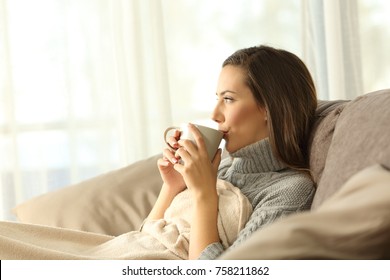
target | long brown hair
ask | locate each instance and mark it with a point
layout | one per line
(282, 84)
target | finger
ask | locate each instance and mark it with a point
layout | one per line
(217, 159)
(179, 168)
(188, 145)
(200, 143)
(170, 156)
(163, 162)
(177, 134)
(183, 154)
(172, 142)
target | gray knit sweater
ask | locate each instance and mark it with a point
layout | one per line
(273, 189)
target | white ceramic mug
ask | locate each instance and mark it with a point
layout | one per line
(211, 136)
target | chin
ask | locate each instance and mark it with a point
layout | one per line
(230, 149)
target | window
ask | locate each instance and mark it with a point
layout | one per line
(201, 34)
(374, 23)
(67, 106)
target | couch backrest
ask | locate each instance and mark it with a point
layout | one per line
(321, 136)
(347, 137)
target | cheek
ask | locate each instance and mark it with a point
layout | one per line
(244, 117)
(236, 117)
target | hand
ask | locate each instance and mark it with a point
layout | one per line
(200, 176)
(198, 171)
(172, 179)
(172, 140)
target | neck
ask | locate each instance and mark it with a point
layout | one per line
(255, 158)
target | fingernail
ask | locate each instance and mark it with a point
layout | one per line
(174, 160)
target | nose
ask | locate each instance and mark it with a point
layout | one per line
(217, 114)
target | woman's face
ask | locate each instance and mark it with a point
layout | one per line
(239, 117)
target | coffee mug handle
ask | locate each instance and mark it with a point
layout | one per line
(166, 133)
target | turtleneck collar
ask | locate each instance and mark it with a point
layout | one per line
(256, 158)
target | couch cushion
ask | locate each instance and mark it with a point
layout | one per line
(112, 203)
(327, 114)
(346, 226)
(360, 139)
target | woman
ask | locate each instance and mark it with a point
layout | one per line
(265, 106)
(266, 102)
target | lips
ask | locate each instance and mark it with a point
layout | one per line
(225, 132)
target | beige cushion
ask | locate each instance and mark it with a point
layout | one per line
(353, 224)
(112, 203)
(327, 114)
(360, 139)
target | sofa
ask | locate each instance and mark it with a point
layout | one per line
(349, 152)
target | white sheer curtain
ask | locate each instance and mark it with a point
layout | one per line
(374, 23)
(332, 50)
(139, 56)
(83, 90)
(87, 86)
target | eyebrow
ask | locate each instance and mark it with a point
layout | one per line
(226, 91)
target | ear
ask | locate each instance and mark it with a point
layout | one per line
(264, 112)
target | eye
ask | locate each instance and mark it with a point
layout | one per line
(225, 98)
(228, 99)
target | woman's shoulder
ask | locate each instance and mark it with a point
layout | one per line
(291, 188)
(295, 176)
(293, 181)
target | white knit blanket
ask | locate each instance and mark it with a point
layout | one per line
(166, 238)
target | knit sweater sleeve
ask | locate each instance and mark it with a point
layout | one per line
(278, 200)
